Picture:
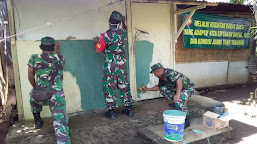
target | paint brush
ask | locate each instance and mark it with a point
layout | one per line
(141, 88)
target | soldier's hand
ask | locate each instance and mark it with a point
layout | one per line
(124, 19)
(176, 98)
(56, 46)
(145, 88)
(96, 39)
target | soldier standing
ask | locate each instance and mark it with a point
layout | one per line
(173, 85)
(112, 44)
(48, 69)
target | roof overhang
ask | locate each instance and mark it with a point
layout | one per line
(178, 2)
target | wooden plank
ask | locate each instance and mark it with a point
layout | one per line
(4, 77)
(173, 33)
(190, 9)
(174, 2)
(3, 63)
(15, 61)
(131, 49)
(2, 96)
(185, 22)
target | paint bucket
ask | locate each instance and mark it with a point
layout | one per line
(174, 125)
(218, 109)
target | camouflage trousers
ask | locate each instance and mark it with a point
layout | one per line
(115, 77)
(184, 95)
(57, 105)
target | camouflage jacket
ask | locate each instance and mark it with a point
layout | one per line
(170, 78)
(115, 46)
(48, 70)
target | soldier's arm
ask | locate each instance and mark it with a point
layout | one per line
(97, 51)
(124, 26)
(56, 48)
(155, 88)
(178, 89)
(31, 76)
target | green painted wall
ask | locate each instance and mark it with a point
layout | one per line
(143, 57)
(86, 66)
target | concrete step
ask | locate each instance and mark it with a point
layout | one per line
(155, 134)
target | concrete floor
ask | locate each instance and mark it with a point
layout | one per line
(243, 117)
(155, 134)
(92, 127)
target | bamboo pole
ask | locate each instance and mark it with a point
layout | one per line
(15, 61)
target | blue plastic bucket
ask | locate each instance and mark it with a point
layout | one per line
(174, 125)
(218, 110)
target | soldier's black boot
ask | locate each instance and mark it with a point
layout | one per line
(172, 105)
(38, 120)
(187, 123)
(128, 111)
(110, 114)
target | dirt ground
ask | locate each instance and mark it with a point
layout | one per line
(11, 115)
(243, 117)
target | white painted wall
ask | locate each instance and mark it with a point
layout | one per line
(154, 19)
(215, 73)
(34, 13)
(238, 73)
(73, 98)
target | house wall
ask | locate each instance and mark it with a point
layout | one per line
(149, 49)
(83, 69)
(212, 67)
(82, 72)
(25, 49)
(153, 47)
(205, 74)
(34, 13)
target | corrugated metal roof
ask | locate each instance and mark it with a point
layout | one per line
(211, 5)
(163, 1)
(218, 1)
(211, 1)
(224, 7)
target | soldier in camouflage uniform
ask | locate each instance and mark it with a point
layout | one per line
(111, 43)
(48, 69)
(173, 85)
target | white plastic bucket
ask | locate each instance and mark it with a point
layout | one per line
(174, 125)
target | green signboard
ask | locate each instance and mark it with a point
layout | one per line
(206, 31)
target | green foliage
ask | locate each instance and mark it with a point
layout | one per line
(237, 1)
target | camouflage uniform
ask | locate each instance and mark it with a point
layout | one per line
(49, 74)
(114, 69)
(167, 87)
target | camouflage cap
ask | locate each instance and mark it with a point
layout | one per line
(116, 17)
(47, 41)
(155, 67)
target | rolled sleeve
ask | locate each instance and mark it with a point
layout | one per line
(31, 62)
